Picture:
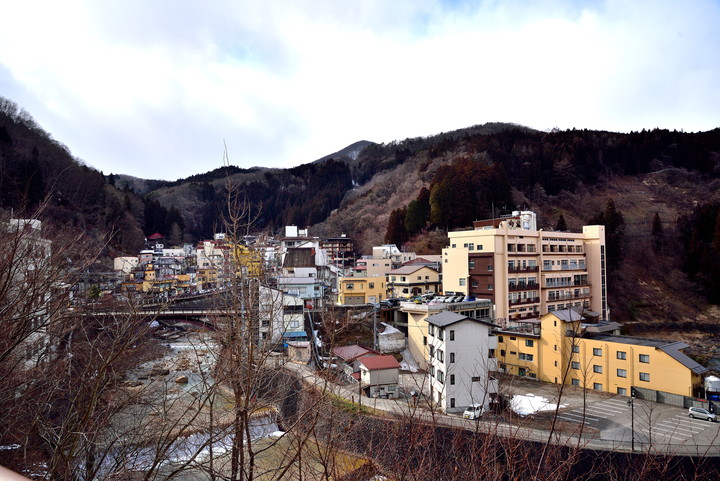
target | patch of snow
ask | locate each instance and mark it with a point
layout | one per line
(530, 404)
(388, 329)
(9, 447)
(408, 363)
(154, 324)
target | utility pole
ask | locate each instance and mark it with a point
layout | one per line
(631, 402)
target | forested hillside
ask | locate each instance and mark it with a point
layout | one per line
(657, 191)
(38, 172)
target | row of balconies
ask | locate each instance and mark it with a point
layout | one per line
(568, 295)
(523, 269)
(553, 285)
(569, 267)
(529, 300)
(520, 286)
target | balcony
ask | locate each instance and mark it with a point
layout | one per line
(523, 286)
(523, 269)
(529, 300)
(565, 297)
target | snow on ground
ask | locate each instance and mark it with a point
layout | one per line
(388, 329)
(408, 363)
(525, 405)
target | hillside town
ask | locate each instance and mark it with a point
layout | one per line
(470, 333)
(502, 297)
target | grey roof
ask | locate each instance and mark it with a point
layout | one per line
(671, 348)
(568, 315)
(300, 257)
(445, 318)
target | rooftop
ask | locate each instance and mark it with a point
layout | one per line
(446, 318)
(380, 362)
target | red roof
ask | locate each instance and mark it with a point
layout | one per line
(349, 353)
(380, 362)
(156, 236)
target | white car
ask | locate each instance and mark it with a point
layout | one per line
(473, 411)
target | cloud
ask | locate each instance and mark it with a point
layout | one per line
(153, 89)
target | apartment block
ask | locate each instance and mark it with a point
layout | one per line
(527, 272)
(569, 347)
(461, 358)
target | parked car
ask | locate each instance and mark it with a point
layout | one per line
(473, 411)
(702, 413)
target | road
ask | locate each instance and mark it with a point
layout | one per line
(588, 419)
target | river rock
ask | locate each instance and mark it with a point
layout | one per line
(181, 379)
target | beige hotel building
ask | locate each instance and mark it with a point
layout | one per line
(527, 272)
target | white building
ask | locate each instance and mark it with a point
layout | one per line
(281, 316)
(379, 376)
(461, 359)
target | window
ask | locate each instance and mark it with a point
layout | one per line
(441, 334)
(431, 330)
(576, 349)
(622, 355)
(371, 285)
(490, 268)
(597, 386)
(471, 265)
(452, 357)
(528, 343)
(645, 358)
(452, 379)
(597, 368)
(575, 382)
(475, 379)
(432, 351)
(502, 352)
(461, 282)
(597, 351)
(490, 287)
(621, 373)
(622, 391)
(441, 355)
(424, 340)
(452, 334)
(441, 376)
(500, 339)
(525, 357)
(512, 338)
(471, 246)
(452, 402)
(645, 376)
(575, 365)
(349, 286)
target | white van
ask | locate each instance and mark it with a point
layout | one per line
(473, 411)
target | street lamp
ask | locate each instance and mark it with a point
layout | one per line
(631, 403)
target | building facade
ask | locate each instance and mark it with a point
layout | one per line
(412, 280)
(461, 360)
(527, 272)
(565, 348)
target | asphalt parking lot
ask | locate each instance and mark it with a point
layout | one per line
(613, 418)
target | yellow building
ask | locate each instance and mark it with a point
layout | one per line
(412, 280)
(527, 272)
(361, 290)
(248, 262)
(563, 347)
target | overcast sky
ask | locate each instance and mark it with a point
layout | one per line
(153, 88)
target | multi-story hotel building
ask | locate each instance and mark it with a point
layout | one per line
(527, 272)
